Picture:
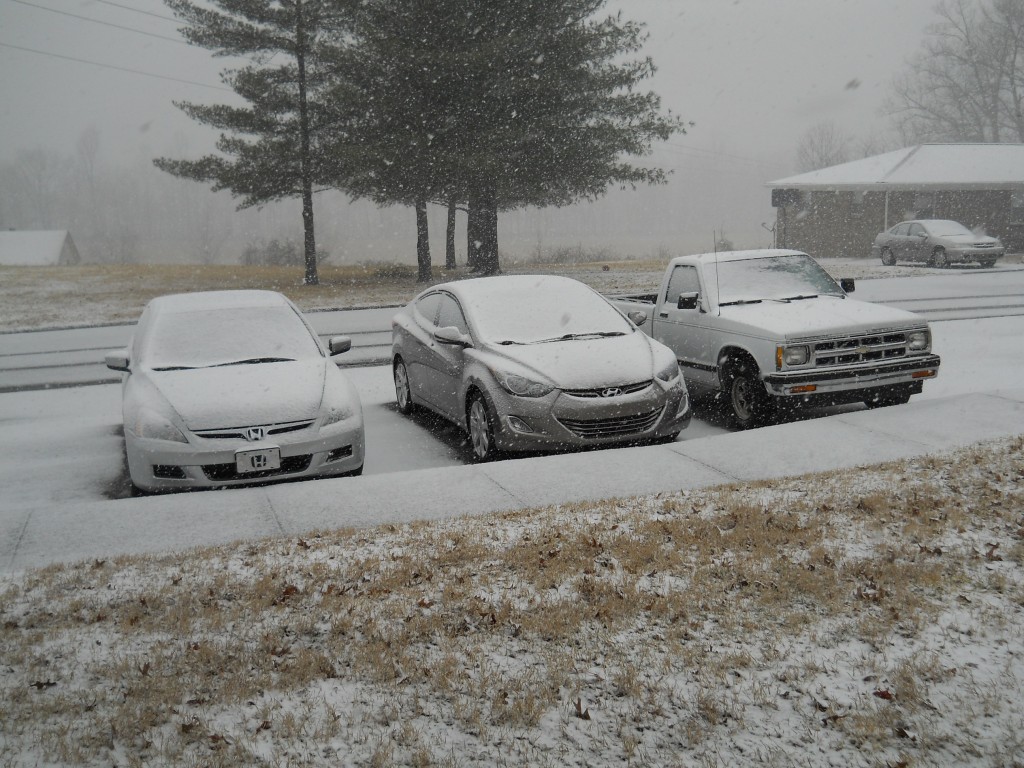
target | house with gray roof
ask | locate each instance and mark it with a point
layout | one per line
(37, 248)
(837, 211)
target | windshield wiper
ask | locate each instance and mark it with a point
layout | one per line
(255, 361)
(507, 343)
(739, 301)
(801, 296)
(572, 336)
(175, 368)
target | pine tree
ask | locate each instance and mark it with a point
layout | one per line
(270, 149)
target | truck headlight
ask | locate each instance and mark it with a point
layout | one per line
(919, 341)
(798, 355)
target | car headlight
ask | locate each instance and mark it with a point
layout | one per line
(152, 426)
(334, 414)
(521, 386)
(919, 341)
(798, 355)
(669, 372)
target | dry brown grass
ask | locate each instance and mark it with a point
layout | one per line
(869, 617)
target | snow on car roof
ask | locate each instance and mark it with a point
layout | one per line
(500, 287)
(206, 300)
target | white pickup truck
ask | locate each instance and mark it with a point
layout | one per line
(771, 328)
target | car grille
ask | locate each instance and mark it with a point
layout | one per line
(618, 426)
(984, 245)
(223, 472)
(624, 389)
(239, 433)
(860, 349)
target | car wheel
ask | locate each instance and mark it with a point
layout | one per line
(750, 403)
(481, 428)
(888, 259)
(987, 263)
(885, 399)
(939, 258)
(403, 390)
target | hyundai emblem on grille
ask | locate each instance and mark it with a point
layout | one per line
(611, 392)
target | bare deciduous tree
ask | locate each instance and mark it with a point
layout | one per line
(967, 82)
(822, 145)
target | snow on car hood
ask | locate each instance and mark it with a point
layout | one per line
(244, 395)
(822, 316)
(967, 239)
(586, 363)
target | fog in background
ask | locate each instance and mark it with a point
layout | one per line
(77, 139)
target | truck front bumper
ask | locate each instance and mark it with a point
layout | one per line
(853, 378)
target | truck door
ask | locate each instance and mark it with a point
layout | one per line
(685, 331)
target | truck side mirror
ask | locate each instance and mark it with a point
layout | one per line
(689, 300)
(847, 284)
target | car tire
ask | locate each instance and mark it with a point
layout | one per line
(403, 387)
(939, 258)
(480, 423)
(987, 263)
(749, 402)
(885, 399)
(888, 259)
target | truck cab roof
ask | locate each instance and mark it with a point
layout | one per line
(758, 253)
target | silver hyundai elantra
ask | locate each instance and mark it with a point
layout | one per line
(532, 362)
(231, 387)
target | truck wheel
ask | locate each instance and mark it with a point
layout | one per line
(750, 403)
(481, 428)
(888, 259)
(939, 258)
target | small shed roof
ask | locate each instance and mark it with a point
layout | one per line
(34, 248)
(936, 166)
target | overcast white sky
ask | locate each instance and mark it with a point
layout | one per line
(752, 74)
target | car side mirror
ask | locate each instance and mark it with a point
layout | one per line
(637, 317)
(689, 300)
(338, 344)
(847, 285)
(452, 335)
(117, 361)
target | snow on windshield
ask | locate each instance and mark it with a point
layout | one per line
(525, 311)
(776, 277)
(948, 229)
(219, 336)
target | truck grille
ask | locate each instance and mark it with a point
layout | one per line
(860, 349)
(624, 389)
(614, 427)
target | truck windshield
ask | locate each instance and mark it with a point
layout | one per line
(778, 278)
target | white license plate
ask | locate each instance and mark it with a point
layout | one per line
(257, 461)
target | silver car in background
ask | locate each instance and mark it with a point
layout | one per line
(528, 362)
(232, 387)
(937, 242)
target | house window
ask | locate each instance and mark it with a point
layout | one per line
(1017, 206)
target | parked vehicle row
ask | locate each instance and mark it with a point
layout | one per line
(936, 242)
(228, 388)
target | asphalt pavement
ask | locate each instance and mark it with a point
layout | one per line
(180, 522)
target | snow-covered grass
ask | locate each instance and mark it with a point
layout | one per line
(60, 297)
(864, 618)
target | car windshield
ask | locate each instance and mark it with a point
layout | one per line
(789, 277)
(236, 336)
(947, 229)
(544, 312)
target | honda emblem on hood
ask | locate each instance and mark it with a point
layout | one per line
(252, 434)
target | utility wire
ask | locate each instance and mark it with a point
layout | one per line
(147, 13)
(119, 69)
(103, 23)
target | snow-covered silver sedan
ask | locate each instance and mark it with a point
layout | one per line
(232, 387)
(937, 242)
(528, 362)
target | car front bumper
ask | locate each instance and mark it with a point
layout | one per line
(559, 420)
(964, 255)
(161, 465)
(853, 378)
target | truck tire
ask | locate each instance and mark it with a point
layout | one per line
(885, 399)
(749, 401)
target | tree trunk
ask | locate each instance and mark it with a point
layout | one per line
(309, 237)
(422, 243)
(473, 235)
(449, 237)
(488, 235)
